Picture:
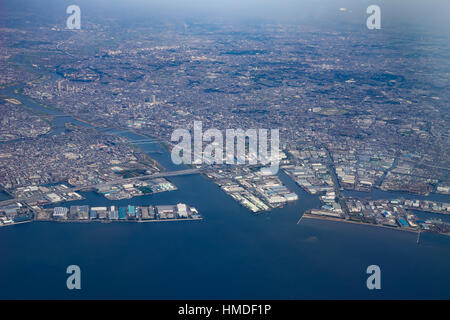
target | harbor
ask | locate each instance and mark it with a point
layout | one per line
(84, 213)
(230, 237)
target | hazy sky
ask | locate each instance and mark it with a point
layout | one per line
(394, 12)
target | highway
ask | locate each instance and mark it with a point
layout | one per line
(100, 185)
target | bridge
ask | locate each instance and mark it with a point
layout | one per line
(143, 177)
(105, 184)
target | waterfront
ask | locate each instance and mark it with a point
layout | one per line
(229, 254)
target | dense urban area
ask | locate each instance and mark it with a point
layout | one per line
(355, 122)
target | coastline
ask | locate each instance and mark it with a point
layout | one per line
(101, 221)
(15, 223)
(319, 217)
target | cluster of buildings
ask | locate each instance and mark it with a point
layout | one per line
(345, 123)
(308, 168)
(443, 187)
(426, 205)
(367, 118)
(128, 213)
(257, 190)
(17, 213)
(17, 123)
(136, 188)
(14, 213)
(408, 183)
(80, 156)
(358, 169)
(395, 213)
(383, 212)
(10, 74)
(41, 195)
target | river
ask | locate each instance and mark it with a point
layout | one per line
(230, 254)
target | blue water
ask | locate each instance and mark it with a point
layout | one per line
(231, 254)
(4, 195)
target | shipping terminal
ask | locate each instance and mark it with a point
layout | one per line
(85, 213)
